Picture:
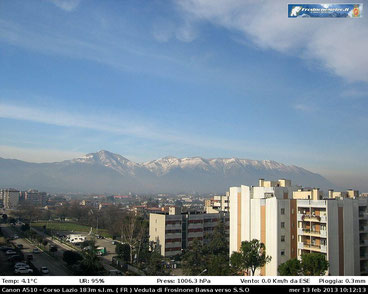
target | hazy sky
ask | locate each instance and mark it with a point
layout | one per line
(209, 78)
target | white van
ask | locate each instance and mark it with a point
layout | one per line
(74, 238)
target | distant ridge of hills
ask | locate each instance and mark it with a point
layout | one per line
(106, 172)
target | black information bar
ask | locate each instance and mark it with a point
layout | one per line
(173, 289)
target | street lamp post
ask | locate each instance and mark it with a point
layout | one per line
(204, 271)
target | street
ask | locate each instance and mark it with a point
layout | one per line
(54, 264)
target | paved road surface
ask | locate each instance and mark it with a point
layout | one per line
(106, 260)
(56, 267)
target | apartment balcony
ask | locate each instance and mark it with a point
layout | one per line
(363, 272)
(312, 247)
(364, 256)
(363, 215)
(306, 232)
(173, 227)
(311, 218)
(323, 233)
(195, 234)
(300, 245)
(195, 225)
(324, 248)
(363, 229)
(363, 243)
(173, 235)
(324, 218)
(173, 244)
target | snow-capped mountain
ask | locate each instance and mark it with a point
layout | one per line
(108, 159)
(104, 171)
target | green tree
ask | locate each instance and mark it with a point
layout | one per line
(91, 264)
(314, 264)
(292, 267)
(5, 218)
(25, 227)
(157, 265)
(217, 252)
(311, 264)
(53, 249)
(123, 250)
(194, 262)
(218, 265)
(252, 256)
(71, 257)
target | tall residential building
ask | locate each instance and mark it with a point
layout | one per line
(35, 197)
(1, 198)
(292, 221)
(10, 198)
(174, 231)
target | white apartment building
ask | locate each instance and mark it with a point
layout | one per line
(175, 231)
(292, 221)
(10, 198)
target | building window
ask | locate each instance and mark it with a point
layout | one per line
(282, 211)
(282, 225)
(282, 238)
(282, 252)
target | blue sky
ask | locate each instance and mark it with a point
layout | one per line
(209, 78)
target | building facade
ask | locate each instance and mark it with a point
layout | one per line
(10, 198)
(35, 198)
(217, 203)
(292, 221)
(174, 231)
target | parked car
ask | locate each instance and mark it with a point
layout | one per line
(36, 251)
(10, 252)
(44, 270)
(23, 270)
(29, 257)
(15, 237)
(5, 248)
(20, 246)
(15, 258)
(21, 264)
(115, 273)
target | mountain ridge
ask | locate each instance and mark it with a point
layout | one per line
(104, 171)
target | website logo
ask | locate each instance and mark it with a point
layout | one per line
(325, 10)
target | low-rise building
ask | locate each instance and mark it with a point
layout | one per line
(173, 231)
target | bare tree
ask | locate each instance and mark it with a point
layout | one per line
(133, 231)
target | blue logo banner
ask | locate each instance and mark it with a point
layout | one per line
(325, 10)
